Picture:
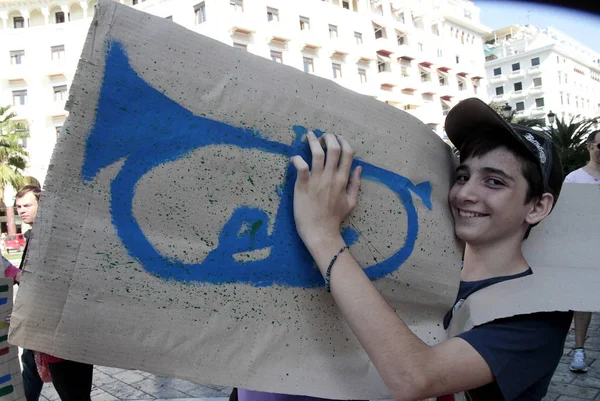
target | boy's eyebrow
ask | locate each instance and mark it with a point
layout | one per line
(492, 170)
(498, 171)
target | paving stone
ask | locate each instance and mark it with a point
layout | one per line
(204, 392)
(563, 377)
(49, 392)
(158, 390)
(569, 398)
(551, 397)
(177, 384)
(573, 391)
(129, 376)
(102, 395)
(587, 381)
(125, 391)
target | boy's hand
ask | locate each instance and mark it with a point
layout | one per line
(327, 193)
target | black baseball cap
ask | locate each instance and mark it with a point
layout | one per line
(472, 114)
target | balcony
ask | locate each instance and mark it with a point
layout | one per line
(310, 39)
(406, 52)
(498, 79)
(388, 78)
(409, 83)
(241, 23)
(278, 32)
(516, 74)
(15, 72)
(428, 87)
(518, 94)
(386, 45)
(57, 108)
(497, 98)
(537, 90)
(534, 70)
(538, 111)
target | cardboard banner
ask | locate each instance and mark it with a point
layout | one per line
(165, 238)
(11, 383)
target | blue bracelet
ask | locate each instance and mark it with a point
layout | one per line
(328, 273)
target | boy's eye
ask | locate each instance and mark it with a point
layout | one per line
(495, 182)
(462, 178)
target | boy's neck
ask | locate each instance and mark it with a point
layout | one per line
(593, 168)
(495, 260)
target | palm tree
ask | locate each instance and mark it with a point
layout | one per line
(570, 139)
(13, 160)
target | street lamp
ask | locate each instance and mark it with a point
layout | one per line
(507, 111)
(551, 117)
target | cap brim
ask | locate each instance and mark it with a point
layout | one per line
(472, 114)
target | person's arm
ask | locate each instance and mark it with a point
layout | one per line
(323, 197)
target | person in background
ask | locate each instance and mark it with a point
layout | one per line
(72, 380)
(589, 174)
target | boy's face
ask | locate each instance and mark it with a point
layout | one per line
(593, 149)
(27, 207)
(488, 198)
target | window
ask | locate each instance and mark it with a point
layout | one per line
(440, 53)
(425, 76)
(58, 128)
(199, 13)
(134, 2)
(568, 99)
(57, 52)
(59, 17)
(402, 39)
(362, 73)
(535, 61)
(457, 59)
(237, 5)
(562, 100)
(516, 66)
(20, 98)
(420, 47)
(16, 56)
(518, 86)
(499, 90)
(304, 23)
(60, 92)
(497, 71)
(539, 102)
(170, 18)
(309, 65)
(566, 79)
(346, 4)
(277, 56)
(537, 82)
(272, 14)
(442, 80)
(461, 86)
(333, 32)
(559, 78)
(381, 66)
(520, 106)
(379, 31)
(358, 37)
(241, 46)
(337, 70)
(18, 22)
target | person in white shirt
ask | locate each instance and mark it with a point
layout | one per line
(588, 174)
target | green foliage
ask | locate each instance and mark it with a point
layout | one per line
(570, 139)
(13, 156)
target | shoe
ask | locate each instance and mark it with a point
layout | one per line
(578, 364)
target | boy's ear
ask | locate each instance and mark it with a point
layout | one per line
(540, 208)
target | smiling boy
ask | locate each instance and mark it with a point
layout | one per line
(508, 180)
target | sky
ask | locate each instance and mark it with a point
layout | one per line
(579, 25)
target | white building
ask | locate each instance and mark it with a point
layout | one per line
(537, 71)
(418, 55)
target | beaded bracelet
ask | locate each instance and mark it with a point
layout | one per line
(328, 273)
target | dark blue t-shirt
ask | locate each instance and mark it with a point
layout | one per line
(522, 351)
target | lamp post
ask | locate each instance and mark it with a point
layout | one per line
(507, 112)
(551, 118)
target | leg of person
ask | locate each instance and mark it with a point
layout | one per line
(234, 394)
(32, 384)
(72, 380)
(582, 322)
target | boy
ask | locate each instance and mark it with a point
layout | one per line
(508, 181)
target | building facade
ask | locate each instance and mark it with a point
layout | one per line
(537, 71)
(421, 56)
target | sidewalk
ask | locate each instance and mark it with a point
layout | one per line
(112, 384)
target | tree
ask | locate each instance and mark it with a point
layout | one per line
(570, 139)
(13, 160)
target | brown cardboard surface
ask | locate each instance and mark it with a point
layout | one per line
(87, 296)
(564, 260)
